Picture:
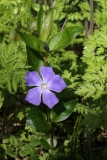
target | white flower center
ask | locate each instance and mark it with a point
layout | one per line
(44, 86)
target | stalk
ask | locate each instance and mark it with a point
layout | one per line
(74, 138)
(76, 135)
(51, 131)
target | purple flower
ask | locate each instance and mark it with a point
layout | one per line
(43, 86)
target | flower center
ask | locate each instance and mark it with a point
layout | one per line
(44, 86)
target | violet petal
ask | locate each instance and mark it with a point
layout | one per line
(49, 98)
(47, 74)
(33, 79)
(34, 96)
(57, 84)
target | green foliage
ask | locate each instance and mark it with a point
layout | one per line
(55, 155)
(100, 14)
(32, 41)
(12, 67)
(80, 108)
(1, 99)
(54, 36)
(15, 14)
(68, 59)
(63, 111)
(22, 145)
(36, 118)
(64, 37)
(34, 59)
(44, 24)
(95, 116)
(95, 77)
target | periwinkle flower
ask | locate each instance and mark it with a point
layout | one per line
(43, 86)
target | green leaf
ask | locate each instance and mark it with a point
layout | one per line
(5, 140)
(9, 48)
(23, 153)
(32, 41)
(9, 87)
(10, 152)
(44, 143)
(64, 37)
(1, 99)
(34, 141)
(36, 118)
(40, 19)
(62, 111)
(34, 60)
(14, 84)
(34, 157)
(14, 141)
(26, 149)
(46, 24)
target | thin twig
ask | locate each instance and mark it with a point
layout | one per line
(91, 18)
(64, 24)
(89, 29)
(86, 30)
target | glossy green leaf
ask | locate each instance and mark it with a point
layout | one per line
(32, 41)
(36, 118)
(47, 26)
(34, 59)
(64, 37)
(40, 19)
(62, 111)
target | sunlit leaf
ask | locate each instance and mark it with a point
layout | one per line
(32, 41)
(64, 37)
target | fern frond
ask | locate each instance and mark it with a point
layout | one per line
(12, 67)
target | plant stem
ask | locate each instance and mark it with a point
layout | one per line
(74, 138)
(51, 131)
(91, 27)
(76, 135)
(51, 139)
(91, 17)
(64, 24)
